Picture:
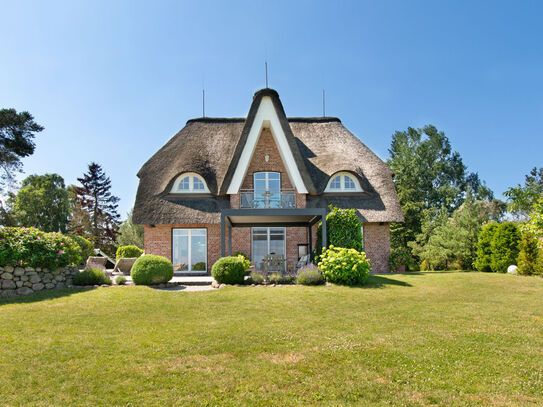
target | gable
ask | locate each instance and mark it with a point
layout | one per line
(267, 113)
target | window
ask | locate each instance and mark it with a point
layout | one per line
(267, 189)
(343, 182)
(189, 250)
(267, 241)
(189, 183)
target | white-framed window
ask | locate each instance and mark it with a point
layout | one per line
(190, 182)
(343, 182)
(189, 250)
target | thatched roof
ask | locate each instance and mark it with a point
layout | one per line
(321, 146)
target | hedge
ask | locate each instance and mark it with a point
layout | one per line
(128, 251)
(343, 229)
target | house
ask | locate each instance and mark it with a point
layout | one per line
(260, 185)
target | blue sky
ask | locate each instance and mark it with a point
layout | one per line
(112, 81)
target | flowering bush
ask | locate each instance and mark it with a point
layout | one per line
(33, 248)
(397, 258)
(344, 266)
(245, 260)
(309, 275)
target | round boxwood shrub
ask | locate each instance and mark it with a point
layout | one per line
(128, 251)
(344, 266)
(228, 270)
(151, 269)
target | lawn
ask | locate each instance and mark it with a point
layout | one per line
(450, 339)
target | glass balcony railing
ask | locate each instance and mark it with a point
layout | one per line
(256, 199)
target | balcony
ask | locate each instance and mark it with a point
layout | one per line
(261, 199)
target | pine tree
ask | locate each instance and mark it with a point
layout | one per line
(95, 214)
(527, 258)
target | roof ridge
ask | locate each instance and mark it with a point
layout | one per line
(243, 119)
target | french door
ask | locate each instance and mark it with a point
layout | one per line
(267, 189)
(189, 250)
(267, 241)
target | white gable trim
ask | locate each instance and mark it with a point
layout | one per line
(266, 116)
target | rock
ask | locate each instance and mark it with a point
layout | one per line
(60, 277)
(8, 269)
(24, 291)
(19, 272)
(38, 268)
(512, 269)
(24, 278)
(61, 285)
(7, 293)
(27, 269)
(19, 283)
(27, 284)
(44, 270)
(49, 286)
(214, 284)
(8, 284)
(222, 285)
(38, 287)
(35, 279)
(7, 276)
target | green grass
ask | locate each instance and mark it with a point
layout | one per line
(450, 339)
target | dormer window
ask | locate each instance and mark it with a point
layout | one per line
(189, 183)
(343, 182)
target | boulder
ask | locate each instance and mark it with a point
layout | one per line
(8, 284)
(49, 285)
(19, 283)
(34, 278)
(9, 269)
(19, 272)
(38, 287)
(24, 291)
(7, 276)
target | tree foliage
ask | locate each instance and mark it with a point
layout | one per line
(429, 176)
(42, 202)
(504, 247)
(446, 239)
(523, 198)
(535, 220)
(130, 233)
(95, 214)
(484, 249)
(17, 132)
(527, 258)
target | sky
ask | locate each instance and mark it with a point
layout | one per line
(112, 81)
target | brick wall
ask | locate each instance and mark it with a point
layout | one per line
(377, 246)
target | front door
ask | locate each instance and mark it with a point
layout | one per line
(267, 241)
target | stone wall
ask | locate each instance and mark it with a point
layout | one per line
(20, 281)
(377, 246)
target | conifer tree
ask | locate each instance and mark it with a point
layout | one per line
(95, 214)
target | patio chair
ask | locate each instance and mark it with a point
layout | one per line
(124, 265)
(99, 260)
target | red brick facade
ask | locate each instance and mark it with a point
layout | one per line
(158, 238)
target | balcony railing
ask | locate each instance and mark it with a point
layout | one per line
(255, 198)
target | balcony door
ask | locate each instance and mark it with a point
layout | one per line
(267, 189)
(267, 241)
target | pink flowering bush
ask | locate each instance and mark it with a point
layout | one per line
(33, 248)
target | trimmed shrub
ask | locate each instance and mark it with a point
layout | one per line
(399, 257)
(86, 246)
(504, 247)
(484, 250)
(93, 274)
(527, 258)
(229, 270)
(256, 278)
(120, 280)
(344, 266)
(151, 269)
(343, 229)
(129, 251)
(200, 266)
(33, 248)
(310, 275)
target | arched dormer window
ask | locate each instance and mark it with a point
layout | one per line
(343, 182)
(190, 183)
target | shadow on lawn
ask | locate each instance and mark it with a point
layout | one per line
(375, 281)
(42, 296)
